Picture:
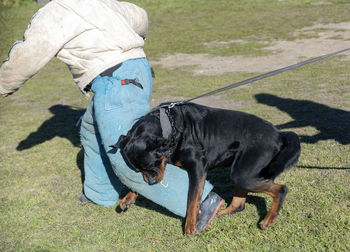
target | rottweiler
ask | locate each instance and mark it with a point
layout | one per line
(202, 138)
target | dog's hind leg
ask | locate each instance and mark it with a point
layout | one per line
(246, 174)
(277, 192)
(237, 203)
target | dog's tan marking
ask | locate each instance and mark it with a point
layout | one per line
(145, 178)
(162, 165)
(193, 209)
(178, 164)
(237, 203)
(278, 193)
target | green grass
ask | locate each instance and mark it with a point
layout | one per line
(40, 184)
(183, 26)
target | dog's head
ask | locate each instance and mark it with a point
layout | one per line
(144, 149)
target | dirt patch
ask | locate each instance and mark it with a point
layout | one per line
(321, 3)
(331, 37)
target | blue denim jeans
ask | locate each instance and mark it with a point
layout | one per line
(112, 112)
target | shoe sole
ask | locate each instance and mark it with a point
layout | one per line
(214, 214)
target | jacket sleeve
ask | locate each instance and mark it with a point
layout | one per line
(135, 16)
(46, 34)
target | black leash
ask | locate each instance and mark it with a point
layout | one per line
(263, 76)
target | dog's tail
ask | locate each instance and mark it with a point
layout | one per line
(288, 155)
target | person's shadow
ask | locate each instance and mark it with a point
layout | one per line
(61, 124)
(332, 123)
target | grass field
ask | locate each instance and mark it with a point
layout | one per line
(41, 157)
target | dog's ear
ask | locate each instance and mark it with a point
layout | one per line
(121, 141)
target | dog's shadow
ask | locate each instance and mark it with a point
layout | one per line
(222, 186)
(147, 204)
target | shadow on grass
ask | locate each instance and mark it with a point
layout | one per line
(61, 124)
(332, 123)
(220, 179)
(146, 203)
(322, 168)
(223, 186)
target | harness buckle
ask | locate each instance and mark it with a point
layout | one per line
(173, 104)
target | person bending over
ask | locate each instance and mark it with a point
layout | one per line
(101, 42)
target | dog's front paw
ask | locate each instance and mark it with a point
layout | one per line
(190, 228)
(127, 201)
(125, 205)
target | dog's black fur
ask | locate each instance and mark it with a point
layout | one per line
(203, 138)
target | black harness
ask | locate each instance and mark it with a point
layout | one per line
(167, 124)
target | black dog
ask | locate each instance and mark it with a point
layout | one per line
(202, 138)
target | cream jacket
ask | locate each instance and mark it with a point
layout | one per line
(89, 36)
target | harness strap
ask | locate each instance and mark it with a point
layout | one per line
(164, 123)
